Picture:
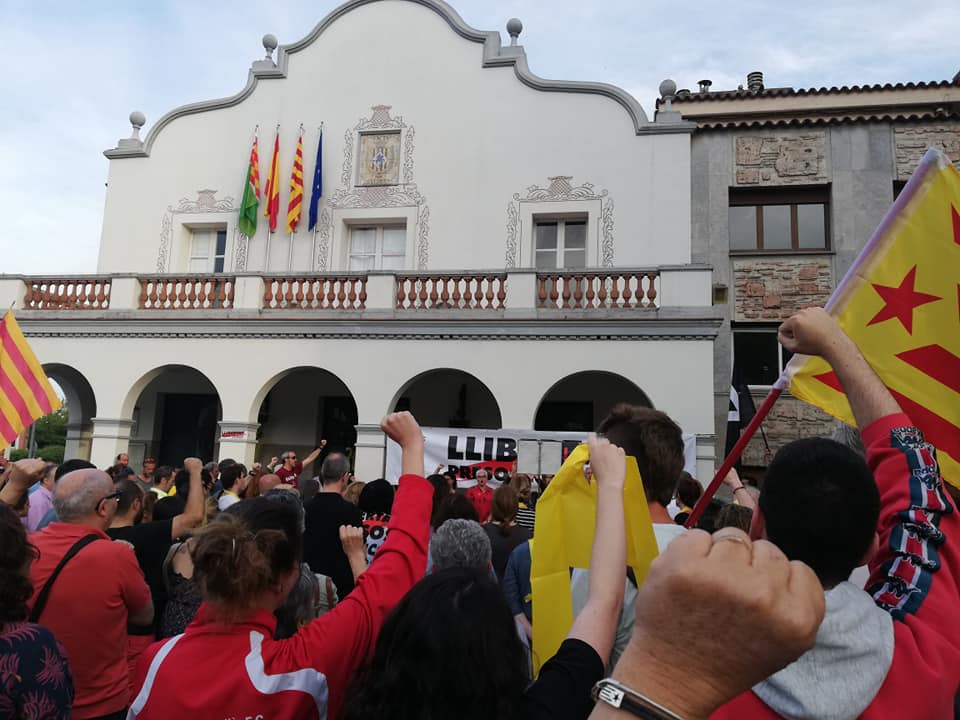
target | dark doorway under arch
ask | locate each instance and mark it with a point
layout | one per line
(578, 402)
(447, 397)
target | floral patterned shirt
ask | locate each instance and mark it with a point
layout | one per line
(35, 679)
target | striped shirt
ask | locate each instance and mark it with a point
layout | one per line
(525, 517)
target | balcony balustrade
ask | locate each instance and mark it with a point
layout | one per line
(540, 294)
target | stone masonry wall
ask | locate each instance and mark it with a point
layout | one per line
(781, 159)
(912, 141)
(774, 288)
(789, 420)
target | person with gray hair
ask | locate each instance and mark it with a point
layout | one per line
(460, 543)
(87, 595)
(848, 436)
(300, 606)
(325, 513)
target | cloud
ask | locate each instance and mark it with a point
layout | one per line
(82, 67)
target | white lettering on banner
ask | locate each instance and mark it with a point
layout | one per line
(465, 451)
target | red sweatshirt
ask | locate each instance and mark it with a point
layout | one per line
(239, 671)
(915, 578)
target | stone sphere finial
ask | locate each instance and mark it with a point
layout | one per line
(514, 28)
(137, 120)
(270, 44)
(668, 88)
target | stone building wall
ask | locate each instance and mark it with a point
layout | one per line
(789, 420)
(774, 288)
(781, 159)
(912, 141)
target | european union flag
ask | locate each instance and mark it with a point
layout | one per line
(317, 184)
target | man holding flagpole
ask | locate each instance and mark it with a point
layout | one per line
(894, 650)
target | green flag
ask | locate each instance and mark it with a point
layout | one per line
(251, 194)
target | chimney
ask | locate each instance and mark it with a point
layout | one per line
(704, 86)
(755, 81)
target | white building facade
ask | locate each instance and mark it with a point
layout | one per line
(492, 250)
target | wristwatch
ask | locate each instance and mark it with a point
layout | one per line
(619, 696)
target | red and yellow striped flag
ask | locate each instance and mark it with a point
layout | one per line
(899, 303)
(25, 392)
(294, 209)
(271, 196)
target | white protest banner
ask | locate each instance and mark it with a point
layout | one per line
(464, 451)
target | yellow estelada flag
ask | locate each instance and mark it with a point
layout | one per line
(899, 303)
(26, 394)
(564, 528)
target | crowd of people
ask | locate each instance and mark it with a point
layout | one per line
(217, 591)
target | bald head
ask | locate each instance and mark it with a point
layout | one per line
(78, 495)
(268, 482)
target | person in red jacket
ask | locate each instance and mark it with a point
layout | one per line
(481, 496)
(894, 650)
(245, 564)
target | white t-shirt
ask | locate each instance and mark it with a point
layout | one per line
(580, 584)
(226, 500)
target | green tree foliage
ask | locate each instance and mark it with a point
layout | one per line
(50, 437)
(51, 453)
(52, 429)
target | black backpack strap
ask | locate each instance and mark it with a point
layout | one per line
(44, 593)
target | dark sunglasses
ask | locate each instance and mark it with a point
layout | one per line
(111, 496)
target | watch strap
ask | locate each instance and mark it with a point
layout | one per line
(618, 695)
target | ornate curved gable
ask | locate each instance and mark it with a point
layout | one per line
(494, 54)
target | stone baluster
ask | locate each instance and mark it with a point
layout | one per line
(652, 290)
(589, 281)
(363, 293)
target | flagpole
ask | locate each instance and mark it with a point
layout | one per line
(732, 458)
(32, 444)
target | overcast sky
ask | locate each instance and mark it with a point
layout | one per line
(73, 71)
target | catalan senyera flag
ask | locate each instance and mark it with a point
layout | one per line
(564, 530)
(295, 206)
(899, 303)
(250, 203)
(271, 192)
(25, 392)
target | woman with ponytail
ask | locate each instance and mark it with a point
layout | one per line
(245, 564)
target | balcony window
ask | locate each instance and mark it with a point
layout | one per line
(560, 243)
(378, 247)
(208, 250)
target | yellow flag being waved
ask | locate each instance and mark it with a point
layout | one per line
(564, 528)
(25, 393)
(899, 303)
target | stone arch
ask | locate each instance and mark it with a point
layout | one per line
(449, 397)
(578, 402)
(300, 406)
(81, 404)
(175, 412)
